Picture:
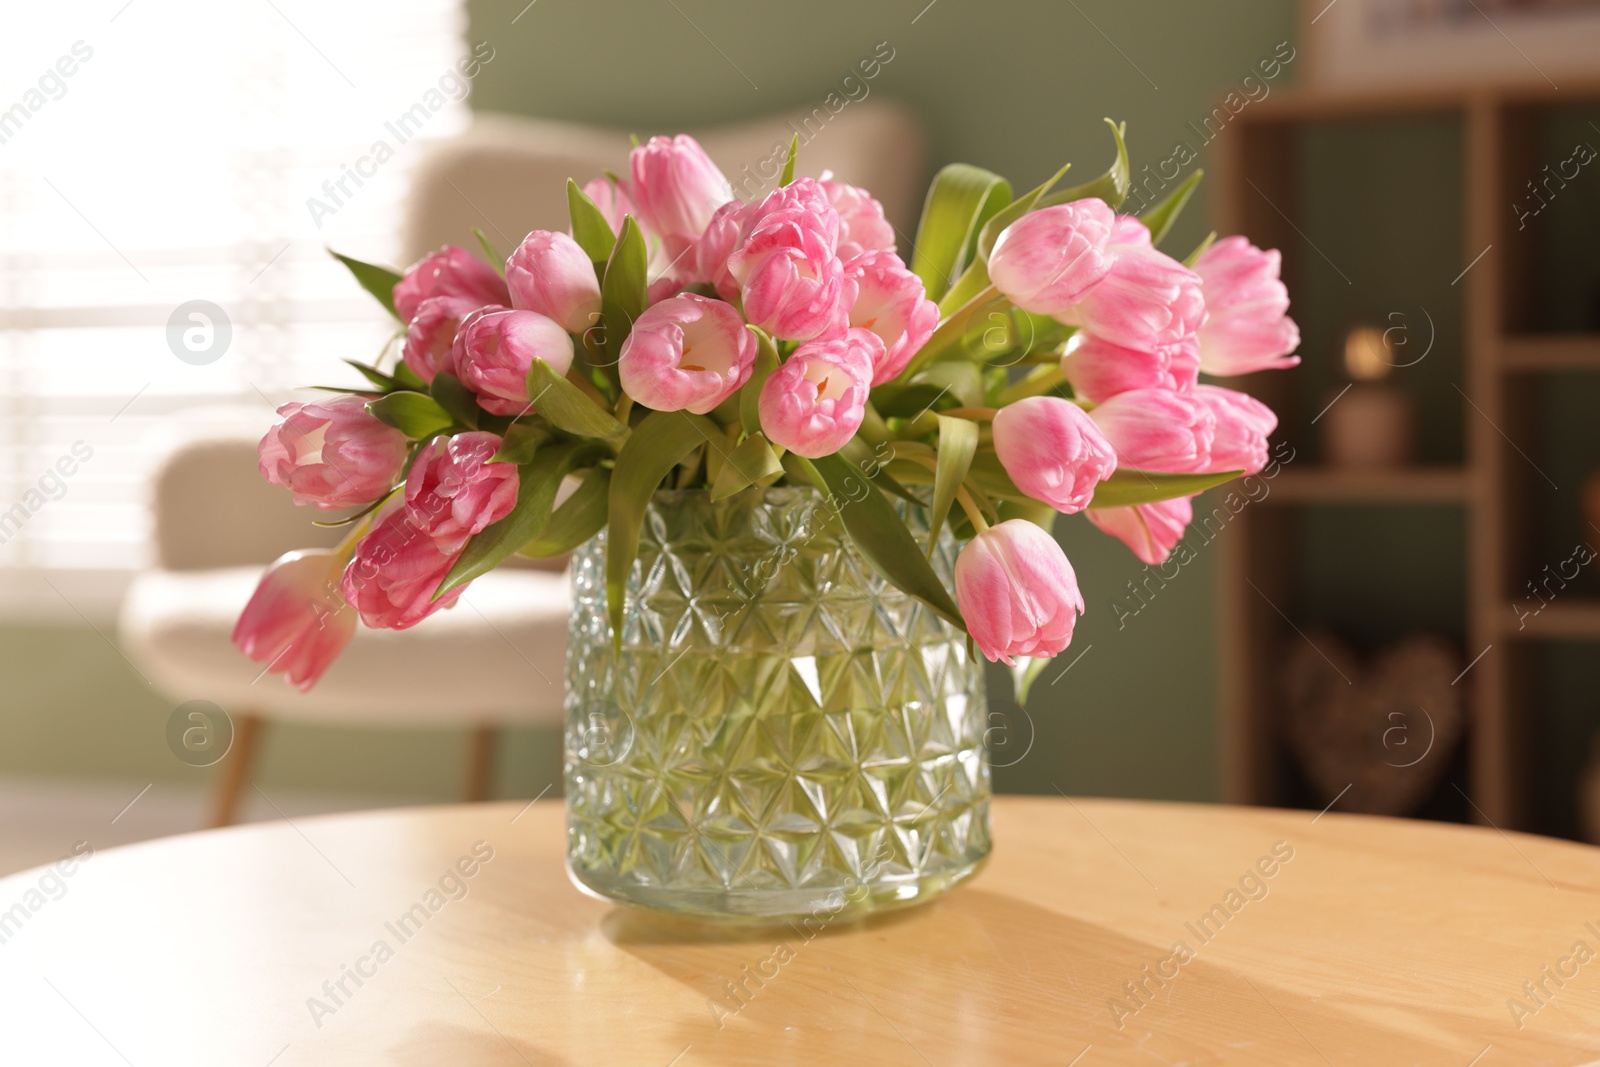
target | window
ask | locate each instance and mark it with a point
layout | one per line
(158, 153)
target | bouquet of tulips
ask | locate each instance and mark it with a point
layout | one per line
(1039, 355)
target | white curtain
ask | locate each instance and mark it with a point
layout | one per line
(158, 152)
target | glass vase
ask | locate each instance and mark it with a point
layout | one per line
(784, 733)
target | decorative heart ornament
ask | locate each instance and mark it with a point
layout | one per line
(1384, 730)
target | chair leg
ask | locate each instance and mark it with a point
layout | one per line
(234, 773)
(480, 762)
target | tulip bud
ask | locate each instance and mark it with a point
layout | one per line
(675, 188)
(1247, 327)
(297, 621)
(814, 403)
(494, 349)
(891, 302)
(1046, 261)
(1098, 369)
(451, 271)
(792, 282)
(862, 225)
(431, 333)
(550, 274)
(689, 352)
(1146, 300)
(1053, 451)
(332, 453)
(396, 569)
(1157, 430)
(612, 200)
(1243, 425)
(1150, 530)
(1017, 592)
(453, 491)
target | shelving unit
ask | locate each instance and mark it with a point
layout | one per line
(1507, 349)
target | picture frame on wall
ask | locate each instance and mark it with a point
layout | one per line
(1353, 44)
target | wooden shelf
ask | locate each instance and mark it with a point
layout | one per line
(1530, 353)
(1417, 485)
(1312, 104)
(1560, 620)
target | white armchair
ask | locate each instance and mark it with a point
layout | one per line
(493, 660)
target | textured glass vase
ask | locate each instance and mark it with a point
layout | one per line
(785, 734)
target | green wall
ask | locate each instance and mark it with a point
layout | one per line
(1016, 87)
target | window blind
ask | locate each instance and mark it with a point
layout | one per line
(154, 153)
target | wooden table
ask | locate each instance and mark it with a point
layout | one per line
(1328, 940)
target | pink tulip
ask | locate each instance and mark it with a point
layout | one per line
(1246, 328)
(708, 262)
(611, 199)
(1243, 426)
(550, 274)
(494, 349)
(1053, 451)
(814, 403)
(1046, 261)
(297, 621)
(1157, 430)
(688, 352)
(332, 453)
(1146, 301)
(451, 271)
(862, 225)
(396, 569)
(891, 302)
(676, 189)
(453, 491)
(1150, 530)
(1098, 369)
(792, 282)
(432, 331)
(1017, 592)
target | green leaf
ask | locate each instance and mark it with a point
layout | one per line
(567, 407)
(1200, 250)
(752, 463)
(375, 376)
(1128, 487)
(1014, 211)
(960, 200)
(963, 381)
(1024, 673)
(949, 340)
(1159, 219)
(413, 414)
(379, 281)
(519, 443)
(958, 443)
(654, 447)
(580, 517)
(589, 227)
(536, 495)
(622, 293)
(750, 393)
(407, 378)
(908, 401)
(788, 164)
(879, 534)
(496, 260)
(1112, 186)
(874, 465)
(455, 398)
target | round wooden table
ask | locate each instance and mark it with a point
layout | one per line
(1101, 932)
